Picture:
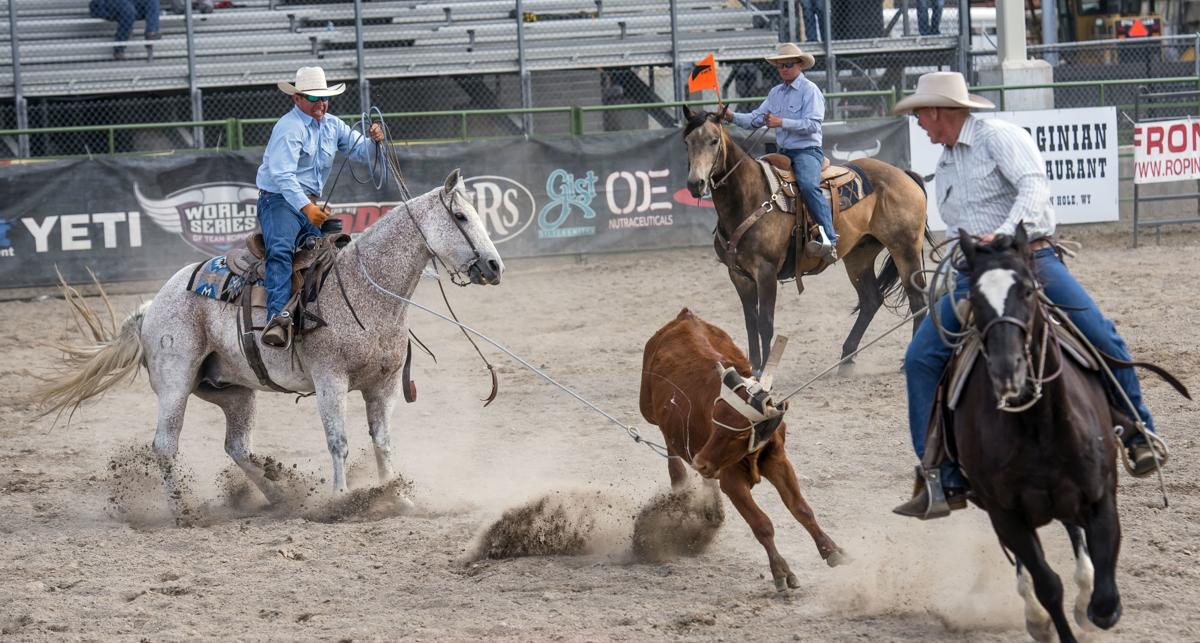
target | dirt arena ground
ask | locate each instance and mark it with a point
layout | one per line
(88, 552)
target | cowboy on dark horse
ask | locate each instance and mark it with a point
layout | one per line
(990, 179)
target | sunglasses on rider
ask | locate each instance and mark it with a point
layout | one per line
(784, 65)
(317, 99)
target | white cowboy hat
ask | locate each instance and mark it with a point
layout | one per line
(941, 89)
(311, 81)
(790, 51)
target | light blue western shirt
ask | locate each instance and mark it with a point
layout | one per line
(802, 108)
(299, 155)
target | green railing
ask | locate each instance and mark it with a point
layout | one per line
(233, 135)
(1100, 85)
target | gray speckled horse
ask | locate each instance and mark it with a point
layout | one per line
(190, 345)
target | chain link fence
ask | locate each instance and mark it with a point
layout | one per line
(457, 69)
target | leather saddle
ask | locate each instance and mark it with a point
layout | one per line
(843, 186)
(250, 264)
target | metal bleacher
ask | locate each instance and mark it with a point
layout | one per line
(65, 52)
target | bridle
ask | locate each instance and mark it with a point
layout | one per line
(1038, 378)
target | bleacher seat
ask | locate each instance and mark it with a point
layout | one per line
(64, 51)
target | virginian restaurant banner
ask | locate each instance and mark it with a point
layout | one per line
(145, 217)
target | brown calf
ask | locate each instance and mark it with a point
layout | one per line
(681, 388)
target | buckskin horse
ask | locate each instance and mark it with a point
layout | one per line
(891, 217)
(1052, 455)
(190, 344)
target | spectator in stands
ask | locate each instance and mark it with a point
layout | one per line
(795, 109)
(814, 19)
(295, 166)
(124, 13)
(929, 17)
(203, 6)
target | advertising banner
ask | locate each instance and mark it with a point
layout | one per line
(1079, 147)
(1166, 151)
(134, 218)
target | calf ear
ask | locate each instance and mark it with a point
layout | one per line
(967, 245)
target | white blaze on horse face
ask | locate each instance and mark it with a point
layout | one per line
(995, 285)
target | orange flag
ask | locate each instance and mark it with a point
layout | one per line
(704, 76)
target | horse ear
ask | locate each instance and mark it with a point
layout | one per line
(688, 114)
(1021, 237)
(452, 181)
(967, 244)
(721, 114)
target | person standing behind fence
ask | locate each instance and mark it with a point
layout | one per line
(929, 17)
(814, 19)
(795, 109)
(124, 13)
(297, 162)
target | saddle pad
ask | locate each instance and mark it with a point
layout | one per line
(214, 280)
(850, 191)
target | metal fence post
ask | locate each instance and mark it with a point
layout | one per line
(831, 81)
(194, 92)
(523, 71)
(964, 39)
(19, 103)
(1137, 116)
(676, 71)
(577, 121)
(364, 85)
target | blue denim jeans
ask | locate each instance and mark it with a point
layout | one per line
(124, 12)
(929, 17)
(927, 355)
(814, 19)
(806, 163)
(284, 229)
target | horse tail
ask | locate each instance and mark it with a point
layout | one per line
(113, 355)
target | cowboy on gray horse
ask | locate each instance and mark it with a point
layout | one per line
(295, 166)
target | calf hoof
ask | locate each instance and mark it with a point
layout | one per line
(837, 557)
(1105, 622)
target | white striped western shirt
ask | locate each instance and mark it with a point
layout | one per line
(992, 178)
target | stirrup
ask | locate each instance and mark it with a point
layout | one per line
(930, 502)
(278, 331)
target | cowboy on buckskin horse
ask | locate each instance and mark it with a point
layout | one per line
(795, 109)
(990, 179)
(295, 166)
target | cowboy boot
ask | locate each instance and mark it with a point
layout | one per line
(1142, 456)
(929, 499)
(278, 331)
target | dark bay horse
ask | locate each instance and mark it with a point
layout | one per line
(892, 217)
(1052, 456)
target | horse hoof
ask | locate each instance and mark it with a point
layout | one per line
(1041, 631)
(837, 557)
(781, 584)
(792, 581)
(846, 370)
(1105, 622)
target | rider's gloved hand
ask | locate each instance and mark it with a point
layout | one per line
(316, 214)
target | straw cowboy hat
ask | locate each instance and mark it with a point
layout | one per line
(789, 51)
(941, 89)
(311, 81)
